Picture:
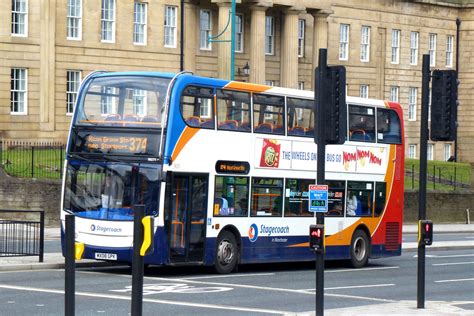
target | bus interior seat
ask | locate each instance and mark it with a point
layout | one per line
(264, 128)
(149, 119)
(279, 129)
(245, 126)
(130, 118)
(229, 124)
(113, 117)
(207, 123)
(193, 121)
(359, 134)
(309, 132)
(296, 131)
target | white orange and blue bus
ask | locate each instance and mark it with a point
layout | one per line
(224, 169)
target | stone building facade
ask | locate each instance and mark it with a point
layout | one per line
(47, 47)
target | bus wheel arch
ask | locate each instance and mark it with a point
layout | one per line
(228, 250)
(360, 247)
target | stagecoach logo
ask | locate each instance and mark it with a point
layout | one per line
(92, 227)
(104, 229)
(253, 232)
(270, 153)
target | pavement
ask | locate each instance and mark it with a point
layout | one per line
(55, 260)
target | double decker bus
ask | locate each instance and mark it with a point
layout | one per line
(224, 167)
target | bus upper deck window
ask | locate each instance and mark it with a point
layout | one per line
(361, 123)
(300, 117)
(268, 111)
(388, 127)
(197, 107)
(233, 110)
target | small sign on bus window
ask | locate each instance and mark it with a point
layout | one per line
(318, 198)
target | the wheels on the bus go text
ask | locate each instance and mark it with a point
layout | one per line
(227, 253)
(359, 249)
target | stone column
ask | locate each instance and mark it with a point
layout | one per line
(47, 65)
(320, 33)
(380, 61)
(289, 49)
(191, 35)
(223, 48)
(257, 45)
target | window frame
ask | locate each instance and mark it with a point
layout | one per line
(72, 88)
(108, 21)
(140, 26)
(170, 25)
(239, 33)
(432, 41)
(301, 37)
(429, 151)
(414, 45)
(365, 43)
(267, 186)
(364, 91)
(368, 136)
(447, 149)
(395, 44)
(269, 37)
(204, 43)
(449, 50)
(22, 15)
(344, 32)
(394, 91)
(19, 91)
(77, 18)
(232, 209)
(304, 197)
(412, 103)
(411, 152)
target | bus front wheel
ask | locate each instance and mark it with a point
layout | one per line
(359, 249)
(227, 253)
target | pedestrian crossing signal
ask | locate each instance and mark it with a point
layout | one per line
(316, 238)
(425, 232)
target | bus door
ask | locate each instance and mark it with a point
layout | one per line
(186, 218)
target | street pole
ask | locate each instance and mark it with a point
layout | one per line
(70, 267)
(320, 75)
(137, 261)
(423, 169)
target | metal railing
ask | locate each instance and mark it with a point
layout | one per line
(32, 159)
(438, 177)
(20, 238)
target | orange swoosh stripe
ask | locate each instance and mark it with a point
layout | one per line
(186, 136)
(244, 86)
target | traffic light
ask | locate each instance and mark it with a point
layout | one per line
(425, 232)
(334, 105)
(444, 105)
(316, 238)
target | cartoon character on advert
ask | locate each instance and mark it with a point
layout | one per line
(270, 156)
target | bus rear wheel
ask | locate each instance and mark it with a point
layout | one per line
(359, 249)
(227, 253)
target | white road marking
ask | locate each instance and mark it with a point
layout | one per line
(229, 276)
(349, 287)
(362, 269)
(454, 280)
(453, 263)
(446, 256)
(168, 302)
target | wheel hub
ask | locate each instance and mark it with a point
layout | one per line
(225, 252)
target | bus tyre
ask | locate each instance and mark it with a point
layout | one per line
(359, 249)
(227, 253)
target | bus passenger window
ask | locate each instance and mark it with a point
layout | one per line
(361, 123)
(296, 197)
(268, 114)
(336, 191)
(388, 127)
(267, 196)
(197, 107)
(231, 195)
(300, 117)
(233, 110)
(380, 198)
(359, 198)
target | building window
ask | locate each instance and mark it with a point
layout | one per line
(432, 49)
(108, 21)
(108, 100)
(394, 93)
(139, 102)
(447, 152)
(449, 51)
(270, 83)
(412, 151)
(20, 17)
(18, 94)
(429, 104)
(344, 42)
(170, 26)
(395, 46)
(269, 35)
(364, 91)
(239, 33)
(301, 85)
(74, 19)
(73, 81)
(205, 29)
(429, 152)
(412, 104)
(301, 30)
(365, 44)
(414, 36)
(139, 23)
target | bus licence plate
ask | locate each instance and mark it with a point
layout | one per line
(105, 256)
